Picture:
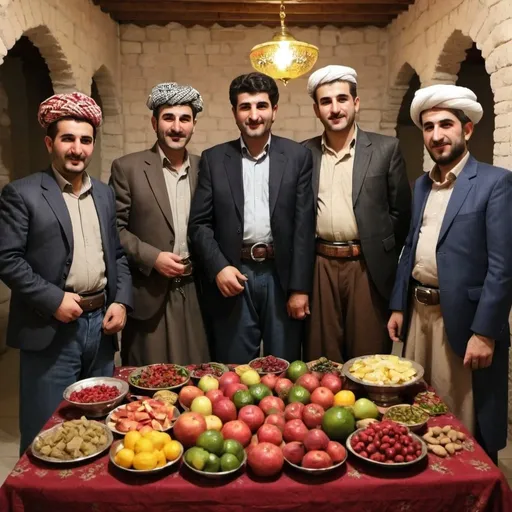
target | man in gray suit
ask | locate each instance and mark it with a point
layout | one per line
(153, 193)
(61, 257)
(363, 204)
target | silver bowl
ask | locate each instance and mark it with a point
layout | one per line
(385, 394)
(97, 409)
(318, 471)
(412, 426)
(118, 445)
(51, 431)
(261, 372)
(218, 475)
(222, 367)
(138, 371)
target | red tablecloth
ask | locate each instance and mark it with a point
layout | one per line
(466, 482)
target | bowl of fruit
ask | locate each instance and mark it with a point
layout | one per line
(200, 370)
(269, 364)
(96, 396)
(155, 377)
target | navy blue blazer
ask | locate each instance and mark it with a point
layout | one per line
(474, 264)
(36, 250)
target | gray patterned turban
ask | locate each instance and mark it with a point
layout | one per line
(171, 93)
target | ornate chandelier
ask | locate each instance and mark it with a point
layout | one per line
(283, 58)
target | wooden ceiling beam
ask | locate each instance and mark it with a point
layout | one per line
(107, 4)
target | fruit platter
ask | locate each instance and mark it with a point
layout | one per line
(155, 377)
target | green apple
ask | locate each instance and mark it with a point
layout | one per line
(201, 405)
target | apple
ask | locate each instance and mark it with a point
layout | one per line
(316, 440)
(270, 380)
(270, 434)
(336, 451)
(322, 396)
(282, 387)
(332, 382)
(276, 419)
(308, 381)
(231, 389)
(294, 452)
(265, 459)
(188, 427)
(187, 394)
(293, 411)
(312, 415)
(271, 404)
(252, 416)
(227, 379)
(238, 431)
(202, 405)
(295, 430)
(213, 422)
(214, 395)
(208, 383)
(225, 409)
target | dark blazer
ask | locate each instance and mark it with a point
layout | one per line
(145, 223)
(381, 198)
(474, 266)
(36, 250)
(216, 223)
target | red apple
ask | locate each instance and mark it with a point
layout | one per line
(270, 434)
(231, 389)
(215, 395)
(271, 404)
(269, 380)
(295, 430)
(225, 409)
(187, 395)
(318, 375)
(294, 452)
(323, 396)
(252, 416)
(332, 382)
(188, 427)
(265, 459)
(308, 381)
(282, 387)
(228, 378)
(316, 459)
(316, 440)
(237, 430)
(293, 411)
(312, 415)
(336, 451)
(276, 419)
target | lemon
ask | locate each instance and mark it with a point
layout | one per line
(344, 398)
(131, 438)
(250, 377)
(144, 445)
(124, 458)
(145, 460)
(172, 450)
(241, 369)
(161, 460)
(158, 438)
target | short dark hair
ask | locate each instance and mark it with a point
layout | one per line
(53, 128)
(459, 114)
(352, 87)
(158, 110)
(253, 83)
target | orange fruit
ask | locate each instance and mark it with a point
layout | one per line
(172, 450)
(130, 439)
(124, 458)
(144, 445)
(145, 460)
(344, 398)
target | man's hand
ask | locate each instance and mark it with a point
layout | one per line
(169, 264)
(115, 318)
(479, 352)
(229, 281)
(395, 323)
(69, 309)
(298, 305)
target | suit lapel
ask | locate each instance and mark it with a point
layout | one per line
(363, 156)
(316, 151)
(154, 173)
(461, 189)
(101, 204)
(53, 195)
(233, 168)
(192, 173)
(277, 167)
(421, 193)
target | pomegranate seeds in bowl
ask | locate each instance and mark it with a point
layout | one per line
(269, 364)
(94, 394)
(159, 376)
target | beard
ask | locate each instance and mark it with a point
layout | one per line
(456, 150)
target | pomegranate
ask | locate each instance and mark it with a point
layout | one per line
(294, 452)
(293, 411)
(231, 389)
(336, 451)
(269, 380)
(187, 395)
(265, 459)
(270, 434)
(238, 431)
(323, 396)
(271, 404)
(276, 419)
(308, 381)
(282, 387)
(295, 430)
(224, 409)
(332, 382)
(188, 427)
(252, 416)
(227, 379)
(312, 415)
(316, 440)
(215, 395)
(316, 459)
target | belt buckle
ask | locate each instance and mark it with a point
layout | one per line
(258, 244)
(423, 291)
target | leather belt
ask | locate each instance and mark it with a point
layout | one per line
(260, 251)
(339, 249)
(92, 302)
(427, 295)
(178, 282)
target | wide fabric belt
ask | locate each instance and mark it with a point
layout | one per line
(427, 295)
(259, 251)
(92, 302)
(350, 249)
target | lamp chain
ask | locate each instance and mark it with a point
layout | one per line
(282, 14)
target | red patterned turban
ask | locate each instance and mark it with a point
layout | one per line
(74, 104)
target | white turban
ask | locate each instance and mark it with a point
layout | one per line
(445, 96)
(171, 93)
(330, 74)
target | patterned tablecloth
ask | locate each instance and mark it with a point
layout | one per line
(466, 482)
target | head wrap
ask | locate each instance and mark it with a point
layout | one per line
(330, 74)
(74, 104)
(171, 93)
(445, 96)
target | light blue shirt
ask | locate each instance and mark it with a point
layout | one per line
(255, 174)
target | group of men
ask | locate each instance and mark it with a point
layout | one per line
(262, 239)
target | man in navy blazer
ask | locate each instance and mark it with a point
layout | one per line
(60, 255)
(453, 291)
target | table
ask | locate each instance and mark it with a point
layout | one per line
(467, 482)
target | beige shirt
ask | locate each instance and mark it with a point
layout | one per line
(335, 219)
(425, 264)
(178, 190)
(87, 272)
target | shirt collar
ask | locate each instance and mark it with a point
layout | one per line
(167, 164)
(351, 147)
(247, 153)
(64, 183)
(451, 175)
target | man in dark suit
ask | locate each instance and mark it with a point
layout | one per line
(453, 290)
(252, 230)
(153, 192)
(61, 257)
(363, 203)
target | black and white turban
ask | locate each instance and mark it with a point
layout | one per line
(171, 93)
(330, 74)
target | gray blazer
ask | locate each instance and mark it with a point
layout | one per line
(381, 198)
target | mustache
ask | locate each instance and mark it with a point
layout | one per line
(75, 157)
(336, 116)
(439, 144)
(181, 135)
